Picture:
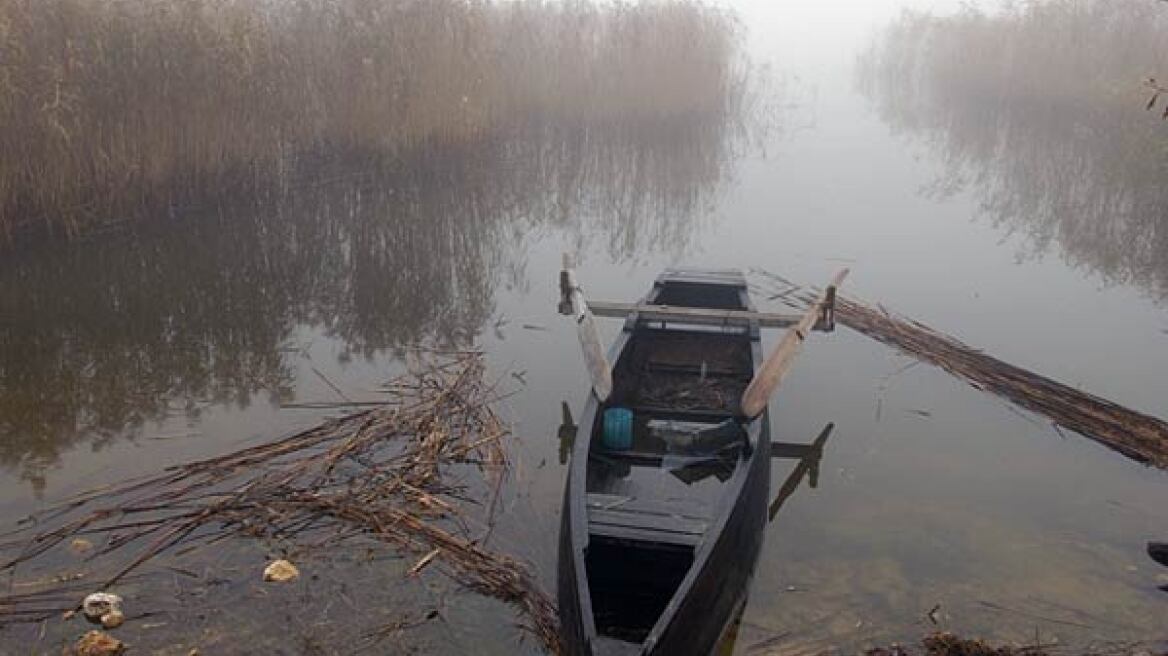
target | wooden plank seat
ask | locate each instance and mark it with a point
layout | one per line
(642, 458)
(693, 275)
(644, 520)
(651, 506)
(691, 315)
(695, 370)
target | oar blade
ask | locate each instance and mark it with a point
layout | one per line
(572, 299)
(774, 368)
(594, 358)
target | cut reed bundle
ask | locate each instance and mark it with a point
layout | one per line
(1138, 436)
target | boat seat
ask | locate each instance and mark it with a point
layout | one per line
(693, 369)
(694, 275)
(641, 520)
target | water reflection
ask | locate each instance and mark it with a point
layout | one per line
(808, 458)
(99, 338)
(1046, 125)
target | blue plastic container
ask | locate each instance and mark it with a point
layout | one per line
(618, 429)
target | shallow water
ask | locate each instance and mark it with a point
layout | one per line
(126, 353)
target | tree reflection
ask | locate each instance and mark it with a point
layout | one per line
(1039, 110)
(98, 338)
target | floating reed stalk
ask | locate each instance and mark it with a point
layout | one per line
(379, 474)
(1138, 436)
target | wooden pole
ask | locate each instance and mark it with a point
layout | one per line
(690, 315)
(766, 381)
(599, 369)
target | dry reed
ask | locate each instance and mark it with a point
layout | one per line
(380, 474)
(1138, 436)
(944, 643)
(114, 109)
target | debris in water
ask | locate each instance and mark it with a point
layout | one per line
(96, 643)
(99, 604)
(281, 571)
(113, 619)
(382, 473)
(426, 560)
(947, 644)
(80, 546)
(499, 325)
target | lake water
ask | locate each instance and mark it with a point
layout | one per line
(125, 353)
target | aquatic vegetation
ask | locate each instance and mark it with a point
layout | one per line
(111, 110)
(1039, 109)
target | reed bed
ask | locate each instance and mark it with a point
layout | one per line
(1061, 60)
(1040, 109)
(112, 110)
(386, 474)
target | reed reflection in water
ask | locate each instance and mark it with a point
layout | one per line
(1038, 109)
(101, 338)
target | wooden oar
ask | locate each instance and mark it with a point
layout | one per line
(598, 367)
(766, 381)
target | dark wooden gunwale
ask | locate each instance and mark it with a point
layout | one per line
(705, 603)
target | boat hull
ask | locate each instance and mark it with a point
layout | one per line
(714, 588)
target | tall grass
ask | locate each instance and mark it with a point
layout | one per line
(1038, 108)
(111, 110)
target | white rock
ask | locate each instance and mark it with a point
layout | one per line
(113, 619)
(281, 571)
(100, 604)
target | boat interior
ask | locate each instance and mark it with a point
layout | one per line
(651, 499)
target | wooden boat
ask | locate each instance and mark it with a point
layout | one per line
(660, 535)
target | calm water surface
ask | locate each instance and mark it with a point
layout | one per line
(127, 353)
